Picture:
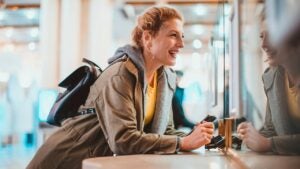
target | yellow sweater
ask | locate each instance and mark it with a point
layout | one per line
(151, 99)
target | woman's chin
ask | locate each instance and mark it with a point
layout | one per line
(172, 63)
(272, 62)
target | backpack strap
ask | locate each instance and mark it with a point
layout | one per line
(91, 63)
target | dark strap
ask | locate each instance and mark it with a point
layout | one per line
(85, 60)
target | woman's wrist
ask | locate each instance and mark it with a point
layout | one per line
(183, 144)
(268, 144)
(178, 146)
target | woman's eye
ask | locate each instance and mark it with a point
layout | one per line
(174, 35)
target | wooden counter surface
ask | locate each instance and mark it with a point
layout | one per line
(207, 160)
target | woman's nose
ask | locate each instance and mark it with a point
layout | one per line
(265, 43)
(180, 43)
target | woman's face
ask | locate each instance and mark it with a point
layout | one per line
(267, 48)
(168, 41)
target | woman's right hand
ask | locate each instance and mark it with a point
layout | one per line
(201, 135)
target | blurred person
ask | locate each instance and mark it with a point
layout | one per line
(281, 131)
(132, 99)
(177, 104)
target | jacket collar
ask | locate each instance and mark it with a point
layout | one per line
(170, 76)
(164, 97)
(269, 76)
(275, 86)
(168, 72)
(138, 67)
(165, 91)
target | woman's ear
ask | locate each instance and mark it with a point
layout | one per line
(147, 39)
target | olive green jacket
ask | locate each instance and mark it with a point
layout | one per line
(118, 125)
(285, 136)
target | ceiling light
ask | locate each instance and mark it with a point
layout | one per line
(34, 32)
(9, 32)
(2, 15)
(32, 46)
(198, 29)
(197, 44)
(30, 14)
(200, 10)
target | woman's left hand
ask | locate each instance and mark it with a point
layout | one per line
(252, 138)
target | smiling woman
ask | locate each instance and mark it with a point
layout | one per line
(167, 43)
(132, 102)
(159, 41)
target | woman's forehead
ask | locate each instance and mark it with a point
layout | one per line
(173, 24)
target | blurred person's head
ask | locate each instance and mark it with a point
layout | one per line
(289, 50)
(270, 51)
(159, 34)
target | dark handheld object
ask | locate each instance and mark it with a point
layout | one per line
(216, 142)
(219, 142)
(236, 143)
(208, 118)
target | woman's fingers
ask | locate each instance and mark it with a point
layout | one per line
(242, 131)
(208, 124)
(242, 125)
(209, 130)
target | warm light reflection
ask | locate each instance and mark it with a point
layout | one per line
(9, 47)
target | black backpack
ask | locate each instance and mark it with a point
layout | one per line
(77, 86)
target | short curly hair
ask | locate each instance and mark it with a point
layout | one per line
(152, 20)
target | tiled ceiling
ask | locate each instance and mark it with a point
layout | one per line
(200, 19)
(19, 18)
(19, 26)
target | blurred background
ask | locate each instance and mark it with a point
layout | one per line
(42, 41)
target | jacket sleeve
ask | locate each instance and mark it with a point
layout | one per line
(119, 123)
(170, 128)
(286, 144)
(268, 129)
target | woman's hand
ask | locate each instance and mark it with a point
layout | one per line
(200, 136)
(252, 138)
